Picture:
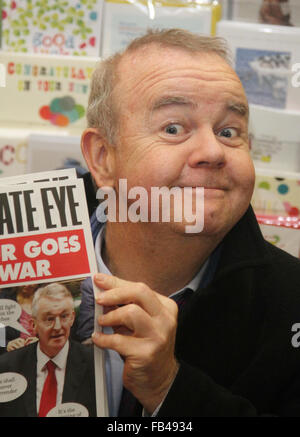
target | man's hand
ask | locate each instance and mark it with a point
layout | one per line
(144, 325)
(17, 343)
(30, 340)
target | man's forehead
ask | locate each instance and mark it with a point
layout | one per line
(155, 54)
(47, 302)
(152, 64)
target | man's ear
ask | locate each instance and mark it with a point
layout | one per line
(73, 317)
(32, 324)
(99, 156)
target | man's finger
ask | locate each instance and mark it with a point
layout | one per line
(132, 317)
(120, 292)
(106, 282)
(124, 345)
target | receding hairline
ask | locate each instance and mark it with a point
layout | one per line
(139, 46)
(136, 52)
(182, 39)
(54, 292)
(239, 105)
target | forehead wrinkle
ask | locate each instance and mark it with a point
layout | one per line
(199, 77)
(172, 100)
(174, 60)
(150, 79)
(142, 77)
(143, 70)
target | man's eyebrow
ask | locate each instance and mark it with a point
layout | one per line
(238, 107)
(171, 100)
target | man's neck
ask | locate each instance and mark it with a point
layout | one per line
(165, 262)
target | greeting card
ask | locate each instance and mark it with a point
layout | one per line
(52, 26)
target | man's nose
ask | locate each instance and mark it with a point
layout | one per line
(57, 323)
(206, 149)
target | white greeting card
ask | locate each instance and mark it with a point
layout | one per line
(280, 13)
(275, 138)
(283, 232)
(52, 26)
(267, 60)
(14, 150)
(276, 192)
(50, 152)
(45, 90)
(126, 20)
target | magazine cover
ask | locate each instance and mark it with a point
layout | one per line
(46, 259)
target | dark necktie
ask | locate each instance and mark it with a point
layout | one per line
(48, 398)
(129, 405)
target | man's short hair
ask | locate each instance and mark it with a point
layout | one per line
(101, 111)
(50, 291)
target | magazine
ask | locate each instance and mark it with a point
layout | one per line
(46, 259)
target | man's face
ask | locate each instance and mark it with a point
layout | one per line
(28, 290)
(53, 323)
(183, 123)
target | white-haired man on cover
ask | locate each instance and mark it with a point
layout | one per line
(57, 370)
(171, 112)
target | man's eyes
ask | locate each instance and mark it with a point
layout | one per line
(228, 132)
(174, 129)
(61, 316)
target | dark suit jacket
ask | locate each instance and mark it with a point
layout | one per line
(234, 336)
(79, 383)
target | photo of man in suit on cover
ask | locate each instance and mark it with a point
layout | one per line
(57, 369)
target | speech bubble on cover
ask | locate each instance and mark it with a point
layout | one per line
(10, 312)
(69, 409)
(12, 385)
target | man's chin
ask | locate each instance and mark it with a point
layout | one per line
(55, 345)
(59, 339)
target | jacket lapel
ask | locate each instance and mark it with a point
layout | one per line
(30, 366)
(75, 371)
